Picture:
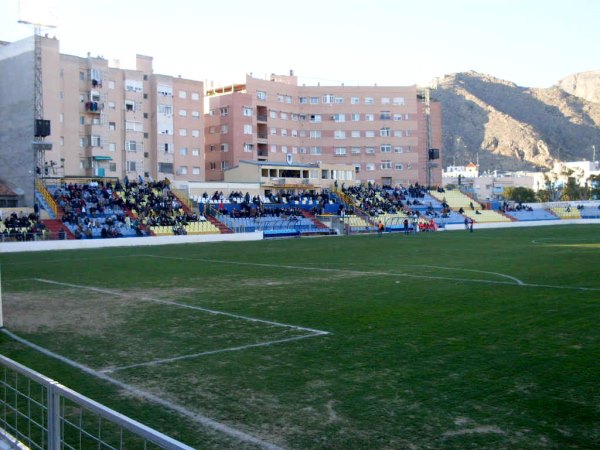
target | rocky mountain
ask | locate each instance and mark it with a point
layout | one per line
(509, 127)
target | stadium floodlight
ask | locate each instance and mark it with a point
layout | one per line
(39, 13)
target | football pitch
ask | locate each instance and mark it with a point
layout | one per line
(439, 340)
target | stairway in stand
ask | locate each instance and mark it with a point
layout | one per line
(54, 226)
(223, 229)
(313, 219)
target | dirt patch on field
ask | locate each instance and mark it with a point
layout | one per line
(84, 313)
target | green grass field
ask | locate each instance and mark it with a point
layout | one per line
(445, 340)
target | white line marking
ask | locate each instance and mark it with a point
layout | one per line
(211, 352)
(387, 274)
(516, 280)
(181, 305)
(198, 418)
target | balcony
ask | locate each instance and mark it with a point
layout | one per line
(262, 136)
(261, 118)
(94, 107)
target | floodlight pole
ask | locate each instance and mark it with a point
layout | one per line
(1, 306)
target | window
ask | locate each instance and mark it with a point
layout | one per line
(339, 117)
(303, 100)
(339, 134)
(327, 98)
(195, 133)
(315, 118)
(165, 167)
(295, 117)
(82, 76)
(112, 147)
(273, 131)
(355, 117)
(386, 164)
(183, 132)
(224, 129)
(131, 166)
(340, 151)
(183, 151)
(195, 115)
(284, 149)
(273, 148)
(129, 105)
(355, 133)
(397, 133)
(111, 84)
(112, 167)
(95, 141)
(195, 170)
(247, 111)
(273, 114)
(195, 96)
(81, 120)
(338, 100)
(225, 147)
(407, 133)
(131, 146)
(224, 165)
(302, 150)
(385, 100)
(164, 90)
(182, 94)
(112, 105)
(368, 100)
(247, 128)
(183, 170)
(182, 113)
(370, 167)
(280, 98)
(284, 132)
(397, 117)
(168, 148)
(398, 149)
(385, 132)
(369, 117)
(356, 168)
(261, 95)
(294, 133)
(133, 126)
(82, 142)
(398, 101)
(356, 150)
(314, 100)
(315, 134)
(195, 152)
(355, 100)
(385, 115)
(370, 150)
(398, 167)
(385, 148)
(283, 115)
(224, 112)
(370, 134)
(165, 109)
(316, 151)
(133, 85)
(248, 148)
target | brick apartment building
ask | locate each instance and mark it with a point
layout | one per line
(381, 131)
(113, 122)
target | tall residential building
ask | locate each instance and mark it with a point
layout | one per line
(385, 132)
(105, 121)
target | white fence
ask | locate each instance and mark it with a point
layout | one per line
(40, 414)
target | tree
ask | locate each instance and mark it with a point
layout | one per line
(520, 194)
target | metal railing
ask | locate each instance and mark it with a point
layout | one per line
(41, 414)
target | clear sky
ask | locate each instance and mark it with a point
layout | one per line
(532, 43)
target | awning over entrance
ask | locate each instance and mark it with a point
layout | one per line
(102, 158)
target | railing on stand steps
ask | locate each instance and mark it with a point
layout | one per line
(50, 202)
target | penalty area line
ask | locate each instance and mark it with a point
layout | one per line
(210, 352)
(198, 418)
(181, 305)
